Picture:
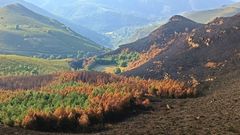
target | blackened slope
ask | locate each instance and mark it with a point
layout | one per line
(201, 54)
(177, 24)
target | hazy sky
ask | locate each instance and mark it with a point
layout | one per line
(53, 2)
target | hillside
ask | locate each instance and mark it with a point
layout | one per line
(12, 65)
(24, 32)
(92, 35)
(177, 24)
(198, 53)
(216, 112)
(78, 101)
(131, 34)
(135, 54)
(181, 79)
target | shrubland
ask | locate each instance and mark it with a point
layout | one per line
(79, 100)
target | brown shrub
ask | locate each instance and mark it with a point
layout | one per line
(116, 95)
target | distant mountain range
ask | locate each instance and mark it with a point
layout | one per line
(107, 15)
(27, 33)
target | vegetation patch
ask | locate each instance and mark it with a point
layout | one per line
(18, 107)
(79, 100)
(120, 60)
(12, 65)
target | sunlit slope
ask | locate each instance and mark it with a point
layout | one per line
(20, 65)
(27, 33)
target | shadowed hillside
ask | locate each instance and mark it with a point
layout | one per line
(187, 50)
(176, 24)
(201, 53)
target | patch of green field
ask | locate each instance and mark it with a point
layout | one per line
(11, 65)
(105, 68)
(109, 63)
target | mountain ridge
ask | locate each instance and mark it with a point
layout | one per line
(28, 33)
(164, 30)
(200, 54)
(96, 37)
(200, 16)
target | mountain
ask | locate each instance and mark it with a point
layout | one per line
(95, 15)
(131, 34)
(176, 24)
(92, 35)
(116, 19)
(124, 13)
(183, 49)
(206, 16)
(24, 32)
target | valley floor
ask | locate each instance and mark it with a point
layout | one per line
(215, 113)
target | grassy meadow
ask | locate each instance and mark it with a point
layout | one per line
(13, 65)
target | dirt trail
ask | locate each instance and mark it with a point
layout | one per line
(216, 113)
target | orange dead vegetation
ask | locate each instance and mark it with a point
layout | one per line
(101, 96)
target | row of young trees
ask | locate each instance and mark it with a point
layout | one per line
(77, 55)
(19, 70)
(78, 100)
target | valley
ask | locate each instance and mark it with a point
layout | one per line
(143, 67)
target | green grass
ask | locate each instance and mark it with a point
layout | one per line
(120, 60)
(11, 65)
(105, 68)
(24, 32)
